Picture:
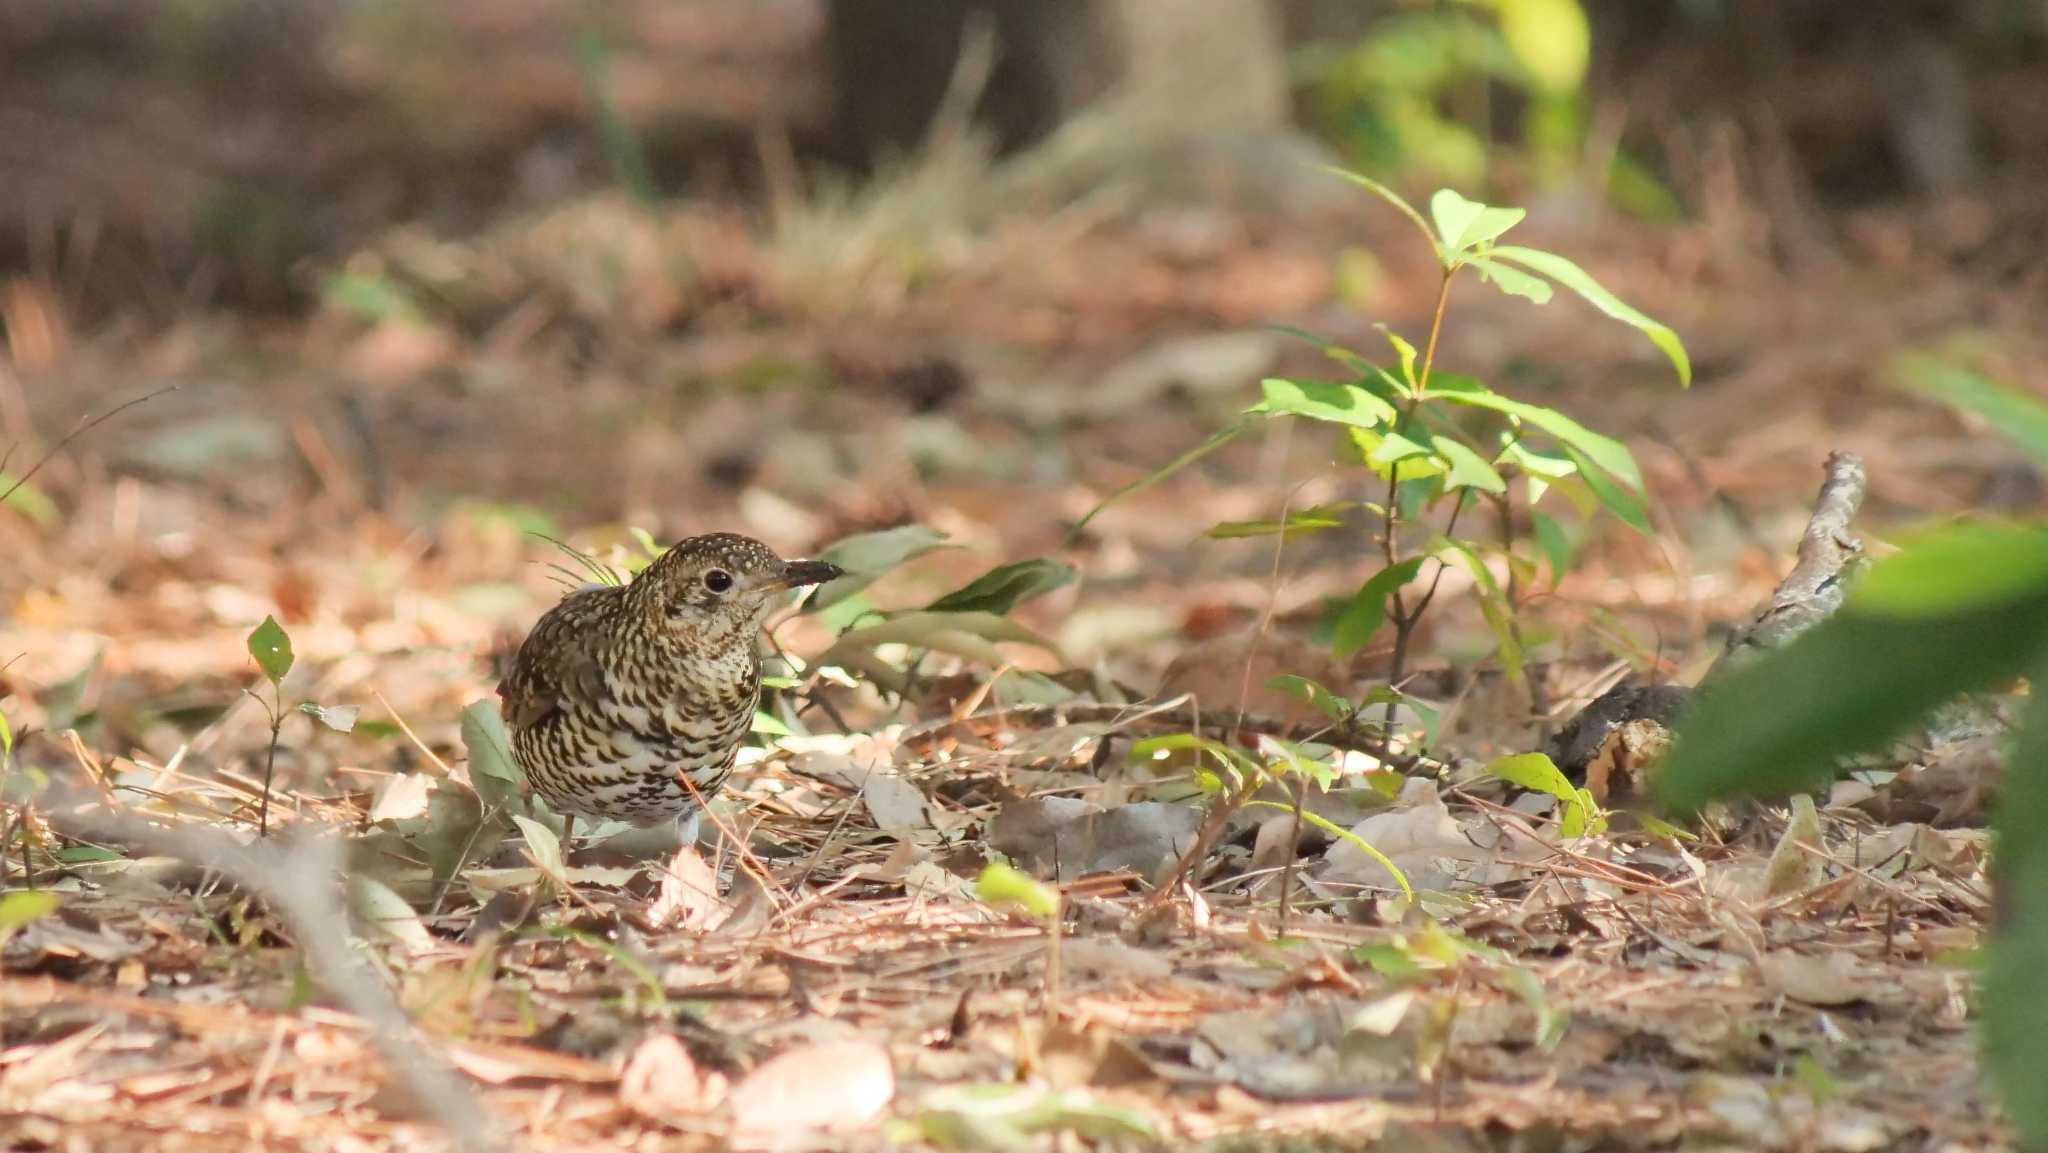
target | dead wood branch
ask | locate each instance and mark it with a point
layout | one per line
(1813, 590)
(1809, 594)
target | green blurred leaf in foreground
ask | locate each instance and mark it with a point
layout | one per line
(2015, 1009)
(1851, 683)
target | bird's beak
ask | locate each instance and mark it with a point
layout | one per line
(802, 573)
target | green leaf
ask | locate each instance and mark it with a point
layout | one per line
(1467, 468)
(1494, 607)
(452, 832)
(340, 718)
(492, 772)
(1540, 470)
(1534, 771)
(1284, 757)
(1382, 451)
(272, 649)
(1556, 546)
(1537, 772)
(973, 635)
(1335, 352)
(650, 548)
(1002, 589)
(1551, 1022)
(1296, 522)
(1229, 758)
(1008, 1117)
(1006, 886)
(1500, 621)
(1583, 817)
(1362, 615)
(546, 848)
(1394, 198)
(1323, 400)
(20, 906)
(6, 740)
(1852, 682)
(1336, 830)
(379, 906)
(1956, 568)
(369, 296)
(2015, 1014)
(1216, 440)
(1394, 448)
(1511, 280)
(2021, 417)
(1570, 275)
(27, 499)
(866, 556)
(1429, 715)
(1403, 351)
(1605, 451)
(1465, 224)
(1658, 827)
(766, 724)
(1312, 692)
(1551, 39)
(1618, 499)
(1535, 463)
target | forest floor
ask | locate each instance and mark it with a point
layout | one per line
(372, 475)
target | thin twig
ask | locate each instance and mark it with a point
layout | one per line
(1298, 786)
(1404, 620)
(85, 425)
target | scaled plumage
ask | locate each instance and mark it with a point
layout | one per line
(619, 693)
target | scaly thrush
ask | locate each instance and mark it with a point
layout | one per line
(622, 693)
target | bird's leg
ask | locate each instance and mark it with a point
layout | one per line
(568, 838)
(689, 828)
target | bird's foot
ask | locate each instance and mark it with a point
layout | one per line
(688, 827)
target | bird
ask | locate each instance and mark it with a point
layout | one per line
(630, 702)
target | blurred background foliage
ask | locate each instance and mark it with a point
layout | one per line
(216, 144)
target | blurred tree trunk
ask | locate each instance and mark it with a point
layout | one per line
(1215, 65)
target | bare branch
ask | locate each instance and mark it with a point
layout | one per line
(84, 426)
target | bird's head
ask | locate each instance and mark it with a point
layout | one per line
(720, 587)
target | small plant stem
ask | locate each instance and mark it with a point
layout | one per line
(17, 824)
(1212, 827)
(1404, 620)
(270, 762)
(1450, 527)
(20, 828)
(1436, 327)
(1296, 787)
(84, 426)
(1539, 704)
(1052, 962)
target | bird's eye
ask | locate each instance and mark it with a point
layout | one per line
(718, 580)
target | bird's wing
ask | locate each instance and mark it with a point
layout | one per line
(555, 667)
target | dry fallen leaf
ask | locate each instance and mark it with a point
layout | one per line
(1073, 837)
(1834, 978)
(837, 1087)
(661, 1081)
(689, 897)
(1793, 867)
(1415, 836)
(897, 805)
